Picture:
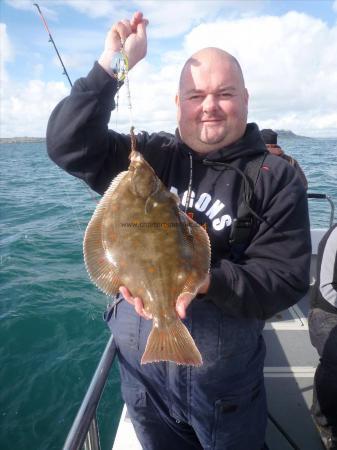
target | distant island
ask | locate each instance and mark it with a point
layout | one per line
(289, 134)
(23, 139)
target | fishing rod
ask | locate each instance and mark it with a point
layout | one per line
(64, 73)
(52, 41)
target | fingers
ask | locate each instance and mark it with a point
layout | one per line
(141, 28)
(182, 304)
(136, 25)
(136, 302)
(126, 294)
(136, 19)
(122, 29)
(139, 307)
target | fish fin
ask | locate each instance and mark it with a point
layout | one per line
(114, 183)
(201, 248)
(201, 243)
(173, 343)
(198, 241)
(100, 269)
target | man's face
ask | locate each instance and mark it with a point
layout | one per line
(212, 103)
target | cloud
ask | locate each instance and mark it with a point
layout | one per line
(96, 9)
(152, 97)
(25, 108)
(334, 6)
(172, 18)
(24, 5)
(288, 63)
(175, 18)
(28, 5)
(6, 52)
(289, 66)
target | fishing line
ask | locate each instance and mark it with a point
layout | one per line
(120, 71)
(65, 190)
(190, 181)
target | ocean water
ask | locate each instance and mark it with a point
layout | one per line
(51, 328)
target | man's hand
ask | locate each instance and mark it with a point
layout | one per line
(184, 300)
(131, 34)
(137, 302)
(182, 304)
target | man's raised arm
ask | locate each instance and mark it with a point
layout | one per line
(78, 138)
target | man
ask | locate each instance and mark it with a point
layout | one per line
(270, 139)
(323, 335)
(220, 405)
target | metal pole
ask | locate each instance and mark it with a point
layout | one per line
(92, 441)
(87, 411)
(315, 195)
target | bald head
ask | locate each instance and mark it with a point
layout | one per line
(206, 55)
(212, 100)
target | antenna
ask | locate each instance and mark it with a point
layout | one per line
(52, 41)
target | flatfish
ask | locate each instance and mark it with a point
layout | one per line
(139, 238)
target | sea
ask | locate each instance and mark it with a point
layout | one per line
(51, 329)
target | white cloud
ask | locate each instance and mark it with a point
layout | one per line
(288, 63)
(25, 108)
(24, 5)
(334, 6)
(289, 66)
(28, 5)
(152, 95)
(6, 52)
(168, 18)
(174, 18)
(95, 9)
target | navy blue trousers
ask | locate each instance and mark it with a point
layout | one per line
(323, 335)
(220, 405)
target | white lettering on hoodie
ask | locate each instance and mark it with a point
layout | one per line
(202, 203)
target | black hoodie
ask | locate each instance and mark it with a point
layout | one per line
(273, 272)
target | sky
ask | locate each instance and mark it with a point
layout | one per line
(287, 50)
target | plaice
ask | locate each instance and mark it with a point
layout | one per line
(139, 238)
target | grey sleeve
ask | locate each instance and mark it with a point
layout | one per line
(328, 272)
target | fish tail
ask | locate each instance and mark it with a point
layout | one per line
(172, 343)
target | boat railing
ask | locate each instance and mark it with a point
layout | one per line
(316, 196)
(84, 432)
